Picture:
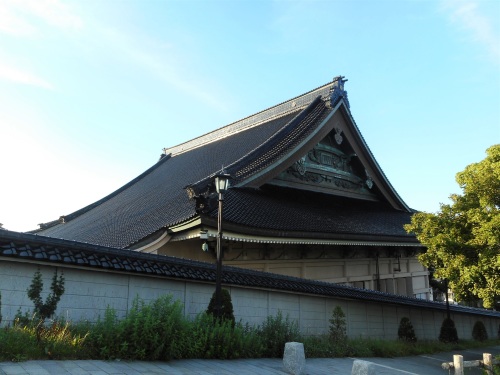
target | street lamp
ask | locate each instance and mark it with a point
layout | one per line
(221, 181)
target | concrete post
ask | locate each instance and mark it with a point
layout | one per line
(458, 364)
(488, 363)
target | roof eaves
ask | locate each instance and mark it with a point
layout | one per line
(289, 236)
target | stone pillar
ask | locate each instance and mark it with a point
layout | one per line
(360, 367)
(294, 359)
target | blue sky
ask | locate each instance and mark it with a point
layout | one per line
(92, 91)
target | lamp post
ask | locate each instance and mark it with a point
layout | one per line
(221, 185)
(447, 301)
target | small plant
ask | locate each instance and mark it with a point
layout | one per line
(448, 332)
(33, 340)
(479, 331)
(45, 310)
(227, 312)
(152, 331)
(338, 332)
(276, 332)
(214, 338)
(406, 331)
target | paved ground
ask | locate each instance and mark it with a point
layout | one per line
(419, 365)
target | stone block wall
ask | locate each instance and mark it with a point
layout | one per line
(89, 292)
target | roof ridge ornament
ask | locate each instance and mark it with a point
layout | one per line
(337, 91)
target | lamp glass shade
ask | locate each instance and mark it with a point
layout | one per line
(221, 183)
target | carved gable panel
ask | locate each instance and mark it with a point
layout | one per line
(330, 167)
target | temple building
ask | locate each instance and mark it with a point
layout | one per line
(307, 198)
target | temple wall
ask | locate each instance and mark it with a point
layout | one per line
(354, 266)
(89, 292)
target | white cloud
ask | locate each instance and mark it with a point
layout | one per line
(17, 75)
(470, 17)
(23, 17)
(162, 60)
(11, 23)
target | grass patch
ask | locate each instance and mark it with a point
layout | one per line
(158, 331)
(57, 340)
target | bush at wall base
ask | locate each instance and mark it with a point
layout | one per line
(406, 331)
(448, 331)
(227, 312)
(479, 331)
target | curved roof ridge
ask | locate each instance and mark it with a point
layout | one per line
(256, 119)
(263, 150)
(65, 218)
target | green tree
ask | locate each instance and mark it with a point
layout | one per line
(227, 312)
(479, 332)
(448, 331)
(406, 331)
(463, 238)
(45, 310)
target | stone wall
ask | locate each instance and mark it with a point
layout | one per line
(89, 292)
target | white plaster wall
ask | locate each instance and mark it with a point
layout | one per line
(89, 292)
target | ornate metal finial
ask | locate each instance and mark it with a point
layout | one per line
(337, 91)
(338, 82)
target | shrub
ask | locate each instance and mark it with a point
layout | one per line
(215, 338)
(34, 340)
(276, 332)
(226, 306)
(479, 331)
(105, 336)
(318, 346)
(338, 332)
(45, 309)
(153, 331)
(406, 331)
(448, 331)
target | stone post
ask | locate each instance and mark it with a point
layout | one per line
(294, 359)
(488, 363)
(458, 364)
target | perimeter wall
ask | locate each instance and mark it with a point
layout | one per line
(89, 292)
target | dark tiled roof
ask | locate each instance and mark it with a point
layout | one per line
(158, 198)
(37, 248)
(271, 149)
(290, 212)
(249, 149)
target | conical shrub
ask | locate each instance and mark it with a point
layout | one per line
(406, 331)
(448, 331)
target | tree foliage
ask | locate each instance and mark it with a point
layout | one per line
(479, 332)
(463, 238)
(227, 312)
(406, 332)
(45, 310)
(448, 331)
